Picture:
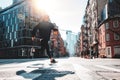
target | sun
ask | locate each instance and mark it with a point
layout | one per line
(45, 5)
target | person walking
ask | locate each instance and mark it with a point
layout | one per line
(43, 31)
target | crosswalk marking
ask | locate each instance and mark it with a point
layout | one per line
(82, 72)
(108, 68)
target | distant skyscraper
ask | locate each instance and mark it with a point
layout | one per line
(71, 41)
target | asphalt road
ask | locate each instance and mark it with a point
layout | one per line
(71, 68)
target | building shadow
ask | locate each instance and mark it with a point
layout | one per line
(43, 74)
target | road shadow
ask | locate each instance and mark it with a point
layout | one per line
(43, 74)
(9, 61)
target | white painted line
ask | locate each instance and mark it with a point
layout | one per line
(82, 72)
(108, 68)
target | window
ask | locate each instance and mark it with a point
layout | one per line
(11, 43)
(6, 22)
(115, 24)
(17, 26)
(15, 35)
(11, 21)
(8, 29)
(110, 1)
(15, 20)
(117, 49)
(6, 36)
(108, 51)
(107, 37)
(10, 35)
(12, 28)
(3, 17)
(107, 25)
(116, 36)
(100, 31)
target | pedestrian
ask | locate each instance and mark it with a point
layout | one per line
(43, 31)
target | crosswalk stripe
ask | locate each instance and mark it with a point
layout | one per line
(108, 68)
(82, 72)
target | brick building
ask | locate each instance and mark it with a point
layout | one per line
(57, 43)
(84, 48)
(109, 38)
(109, 29)
(97, 14)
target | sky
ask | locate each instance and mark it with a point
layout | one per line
(67, 14)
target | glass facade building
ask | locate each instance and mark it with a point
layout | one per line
(71, 41)
(111, 9)
(16, 24)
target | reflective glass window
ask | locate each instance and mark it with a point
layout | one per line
(11, 43)
(3, 17)
(15, 35)
(11, 21)
(6, 22)
(10, 35)
(8, 16)
(8, 29)
(6, 36)
(12, 28)
(15, 20)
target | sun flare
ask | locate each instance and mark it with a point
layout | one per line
(45, 5)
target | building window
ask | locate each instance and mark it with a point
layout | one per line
(12, 28)
(6, 36)
(10, 36)
(8, 15)
(3, 17)
(108, 51)
(15, 20)
(11, 43)
(11, 21)
(8, 29)
(117, 49)
(110, 1)
(116, 36)
(107, 37)
(16, 27)
(15, 35)
(6, 22)
(115, 24)
(107, 25)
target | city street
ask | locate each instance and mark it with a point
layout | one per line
(70, 68)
